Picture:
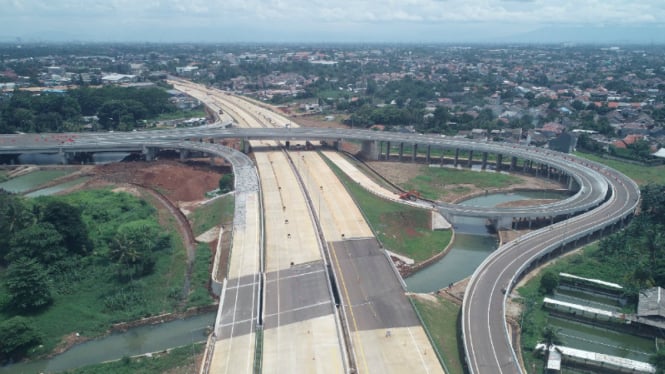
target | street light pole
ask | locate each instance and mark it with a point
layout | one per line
(320, 193)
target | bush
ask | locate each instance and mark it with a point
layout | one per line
(16, 338)
(549, 282)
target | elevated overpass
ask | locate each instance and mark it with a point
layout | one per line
(589, 186)
(605, 198)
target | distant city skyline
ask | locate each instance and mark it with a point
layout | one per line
(312, 21)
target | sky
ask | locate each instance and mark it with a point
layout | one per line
(348, 21)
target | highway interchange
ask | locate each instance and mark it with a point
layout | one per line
(486, 340)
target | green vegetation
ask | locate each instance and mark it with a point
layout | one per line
(226, 183)
(117, 108)
(17, 337)
(180, 114)
(212, 214)
(643, 242)
(3, 176)
(199, 295)
(440, 317)
(430, 182)
(641, 174)
(402, 229)
(177, 360)
(104, 258)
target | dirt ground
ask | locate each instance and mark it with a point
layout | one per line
(178, 181)
(401, 172)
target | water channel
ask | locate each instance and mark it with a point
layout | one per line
(473, 243)
(136, 341)
(32, 180)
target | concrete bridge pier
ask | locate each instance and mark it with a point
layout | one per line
(504, 223)
(484, 164)
(429, 154)
(414, 154)
(513, 163)
(456, 157)
(370, 150)
(184, 153)
(387, 151)
(149, 153)
(441, 160)
(499, 161)
(470, 163)
(401, 151)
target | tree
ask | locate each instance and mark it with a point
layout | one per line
(658, 361)
(13, 217)
(66, 218)
(40, 241)
(134, 247)
(16, 338)
(549, 282)
(28, 286)
(226, 183)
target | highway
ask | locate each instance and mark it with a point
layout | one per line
(486, 340)
(592, 191)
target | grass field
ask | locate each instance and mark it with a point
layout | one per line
(440, 318)
(401, 228)
(212, 214)
(177, 360)
(196, 113)
(432, 182)
(639, 173)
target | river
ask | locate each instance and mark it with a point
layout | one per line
(473, 243)
(135, 341)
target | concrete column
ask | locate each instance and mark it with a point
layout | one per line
(499, 161)
(429, 153)
(414, 154)
(513, 163)
(387, 151)
(184, 153)
(370, 150)
(456, 156)
(442, 152)
(401, 151)
(149, 153)
(484, 164)
(246, 147)
(470, 159)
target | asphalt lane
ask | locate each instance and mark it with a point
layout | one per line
(487, 344)
(372, 294)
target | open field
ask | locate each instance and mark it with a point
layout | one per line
(440, 316)
(402, 229)
(639, 173)
(212, 214)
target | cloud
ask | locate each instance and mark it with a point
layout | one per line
(90, 17)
